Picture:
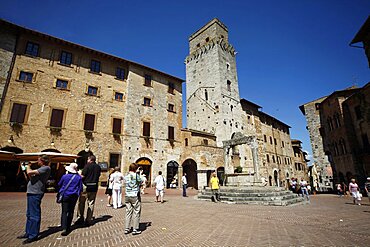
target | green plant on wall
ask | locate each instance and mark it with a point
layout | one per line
(238, 169)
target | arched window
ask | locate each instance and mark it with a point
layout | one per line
(206, 94)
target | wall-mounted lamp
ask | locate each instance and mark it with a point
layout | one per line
(11, 139)
(87, 147)
(52, 142)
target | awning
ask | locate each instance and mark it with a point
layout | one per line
(4, 155)
(54, 157)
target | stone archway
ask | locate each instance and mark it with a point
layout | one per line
(146, 164)
(190, 168)
(172, 174)
(11, 175)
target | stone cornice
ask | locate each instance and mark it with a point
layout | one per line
(210, 45)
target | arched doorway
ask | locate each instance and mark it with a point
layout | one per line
(172, 176)
(11, 175)
(190, 168)
(221, 174)
(276, 178)
(146, 164)
(82, 160)
(57, 171)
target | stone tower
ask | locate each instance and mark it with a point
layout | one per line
(212, 93)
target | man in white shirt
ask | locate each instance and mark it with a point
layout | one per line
(184, 184)
(159, 182)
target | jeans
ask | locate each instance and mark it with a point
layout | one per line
(184, 189)
(133, 211)
(90, 196)
(33, 215)
(304, 191)
(68, 207)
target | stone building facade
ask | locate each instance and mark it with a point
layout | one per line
(311, 111)
(345, 119)
(68, 98)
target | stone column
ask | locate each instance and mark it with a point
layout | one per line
(254, 146)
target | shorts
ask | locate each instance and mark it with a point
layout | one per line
(159, 192)
(108, 191)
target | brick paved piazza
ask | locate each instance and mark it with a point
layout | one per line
(327, 221)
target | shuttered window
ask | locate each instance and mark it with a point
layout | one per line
(146, 129)
(56, 119)
(117, 126)
(171, 133)
(89, 122)
(18, 113)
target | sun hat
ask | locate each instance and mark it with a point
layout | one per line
(368, 178)
(72, 168)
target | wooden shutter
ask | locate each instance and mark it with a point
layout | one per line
(171, 133)
(56, 118)
(89, 122)
(146, 129)
(117, 125)
(18, 113)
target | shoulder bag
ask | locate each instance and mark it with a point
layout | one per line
(60, 195)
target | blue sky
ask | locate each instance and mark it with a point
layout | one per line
(289, 52)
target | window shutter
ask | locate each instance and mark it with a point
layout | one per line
(18, 113)
(89, 122)
(117, 124)
(56, 118)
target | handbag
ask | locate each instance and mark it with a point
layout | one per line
(60, 195)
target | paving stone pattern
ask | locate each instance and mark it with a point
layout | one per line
(326, 221)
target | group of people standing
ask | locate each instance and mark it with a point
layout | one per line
(300, 187)
(80, 187)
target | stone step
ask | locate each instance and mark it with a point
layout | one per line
(246, 194)
(248, 198)
(253, 195)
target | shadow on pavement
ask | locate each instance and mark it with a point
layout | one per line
(49, 231)
(144, 225)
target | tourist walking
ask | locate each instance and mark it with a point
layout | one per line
(132, 200)
(90, 178)
(108, 190)
(159, 182)
(70, 186)
(354, 190)
(339, 190)
(35, 192)
(184, 185)
(304, 190)
(367, 187)
(215, 187)
(117, 181)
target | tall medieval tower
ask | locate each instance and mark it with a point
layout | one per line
(212, 93)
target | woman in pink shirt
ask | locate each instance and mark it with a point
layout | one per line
(354, 190)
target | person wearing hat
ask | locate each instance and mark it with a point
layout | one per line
(367, 187)
(35, 192)
(71, 187)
